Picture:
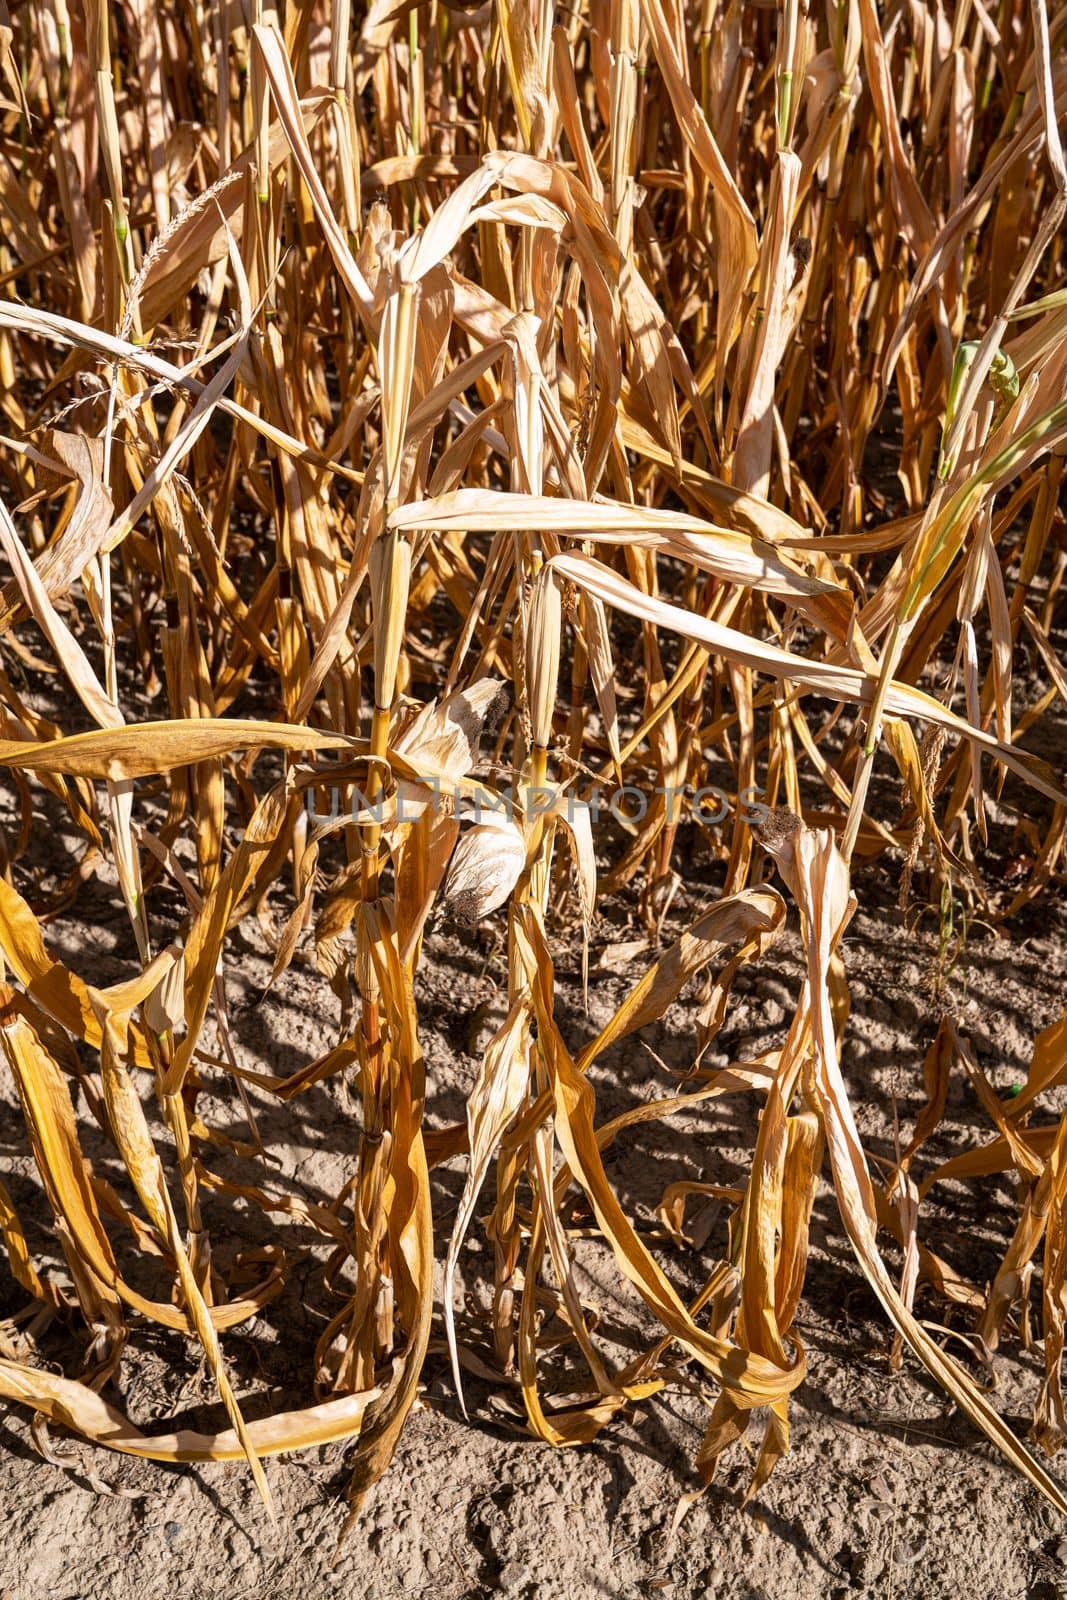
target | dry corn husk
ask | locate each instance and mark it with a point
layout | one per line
(484, 869)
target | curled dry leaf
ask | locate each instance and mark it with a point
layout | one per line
(818, 878)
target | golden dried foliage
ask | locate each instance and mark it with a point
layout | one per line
(355, 368)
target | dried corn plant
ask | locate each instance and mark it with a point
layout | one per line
(358, 367)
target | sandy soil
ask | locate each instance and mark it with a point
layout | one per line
(887, 1491)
